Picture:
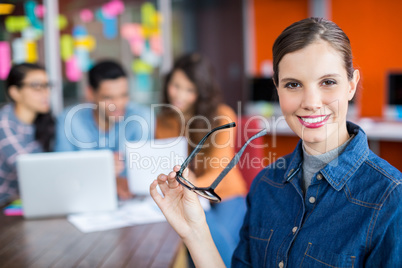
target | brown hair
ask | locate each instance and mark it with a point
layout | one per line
(302, 33)
(200, 72)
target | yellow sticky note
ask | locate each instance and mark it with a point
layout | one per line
(87, 42)
(140, 66)
(148, 14)
(66, 46)
(16, 23)
(62, 22)
(31, 52)
(6, 9)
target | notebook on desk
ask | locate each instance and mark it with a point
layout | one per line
(146, 160)
(56, 184)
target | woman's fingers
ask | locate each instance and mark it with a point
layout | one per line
(162, 183)
(172, 182)
(154, 192)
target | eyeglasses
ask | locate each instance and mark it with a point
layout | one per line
(209, 192)
(38, 86)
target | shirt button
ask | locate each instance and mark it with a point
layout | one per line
(319, 177)
(311, 199)
(280, 265)
(294, 230)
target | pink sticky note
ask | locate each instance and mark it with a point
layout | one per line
(113, 8)
(5, 59)
(130, 31)
(40, 11)
(13, 212)
(73, 72)
(155, 43)
(86, 15)
(137, 46)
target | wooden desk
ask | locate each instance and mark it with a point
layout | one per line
(57, 243)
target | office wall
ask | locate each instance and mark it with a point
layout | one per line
(375, 30)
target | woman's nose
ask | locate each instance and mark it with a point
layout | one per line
(311, 99)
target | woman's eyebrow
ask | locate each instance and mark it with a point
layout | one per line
(289, 79)
(330, 75)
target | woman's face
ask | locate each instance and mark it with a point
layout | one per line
(34, 92)
(314, 91)
(182, 93)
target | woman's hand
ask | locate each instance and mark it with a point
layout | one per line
(180, 206)
(184, 213)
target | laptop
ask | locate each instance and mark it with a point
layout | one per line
(146, 160)
(57, 184)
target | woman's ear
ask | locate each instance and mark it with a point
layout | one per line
(353, 84)
(14, 93)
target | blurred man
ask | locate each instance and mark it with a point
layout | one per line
(107, 122)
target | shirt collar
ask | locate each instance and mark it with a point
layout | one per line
(339, 170)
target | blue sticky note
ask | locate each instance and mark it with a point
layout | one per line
(143, 82)
(110, 28)
(79, 31)
(29, 7)
(84, 61)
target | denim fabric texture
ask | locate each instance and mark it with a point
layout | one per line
(351, 215)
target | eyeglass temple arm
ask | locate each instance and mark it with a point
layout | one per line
(236, 158)
(199, 145)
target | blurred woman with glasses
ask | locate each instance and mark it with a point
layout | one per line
(26, 124)
(192, 107)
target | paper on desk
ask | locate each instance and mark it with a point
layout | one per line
(129, 213)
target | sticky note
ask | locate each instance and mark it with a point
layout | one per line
(99, 15)
(6, 9)
(88, 43)
(113, 8)
(155, 43)
(86, 15)
(31, 33)
(143, 82)
(83, 60)
(29, 7)
(66, 46)
(148, 14)
(131, 31)
(79, 31)
(31, 52)
(150, 58)
(73, 73)
(110, 29)
(139, 66)
(19, 50)
(16, 23)
(40, 11)
(62, 22)
(5, 59)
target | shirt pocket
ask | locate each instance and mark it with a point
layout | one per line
(259, 242)
(315, 256)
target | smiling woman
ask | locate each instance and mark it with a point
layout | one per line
(334, 203)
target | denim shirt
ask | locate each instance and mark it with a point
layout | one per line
(351, 215)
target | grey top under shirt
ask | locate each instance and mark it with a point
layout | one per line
(314, 163)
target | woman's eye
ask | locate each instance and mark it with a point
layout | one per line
(328, 82)
(292, 85)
